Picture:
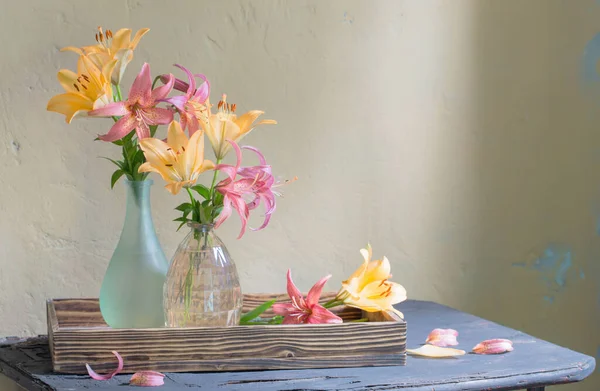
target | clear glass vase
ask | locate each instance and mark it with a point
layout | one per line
(202, 287)
(131, 292)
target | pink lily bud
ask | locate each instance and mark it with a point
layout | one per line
(442, 337)
(179, 85)
(147, 379)
(493, 346)
(109, 375)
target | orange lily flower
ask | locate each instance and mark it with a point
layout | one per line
(118, 46)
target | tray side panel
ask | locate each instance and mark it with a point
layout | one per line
(254, 364)
(233, 348)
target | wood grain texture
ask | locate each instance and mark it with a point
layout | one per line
(533, 363)
(78, 335)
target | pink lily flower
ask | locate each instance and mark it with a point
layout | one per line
(190, 106)
(255, 181)
(139, 111)
(302, 310)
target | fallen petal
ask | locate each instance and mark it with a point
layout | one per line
(147, 379)
(435, 351)
(442, 337)
(494, 346)
(110, 375)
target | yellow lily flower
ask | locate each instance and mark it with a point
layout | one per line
(179, 161)
(86, 90)
(117, 46)
(226, 125)
(369, 288)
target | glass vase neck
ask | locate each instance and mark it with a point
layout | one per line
(204, 228)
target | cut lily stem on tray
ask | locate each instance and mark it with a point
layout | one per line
(435, 352)
(109, 375)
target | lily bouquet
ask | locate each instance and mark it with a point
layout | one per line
(182, 105)
(95, 91)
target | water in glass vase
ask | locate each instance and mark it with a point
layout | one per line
(202, 287)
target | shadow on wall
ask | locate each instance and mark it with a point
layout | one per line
(536, 250)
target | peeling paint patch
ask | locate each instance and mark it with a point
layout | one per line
(591, 57)
(348, 19)
(554, 267)
(549, 299)
(16, 146)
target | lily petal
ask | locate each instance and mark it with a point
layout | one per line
(435, 352)
(138, 35)
(141, 88)
(225, 213)
(292, 290)
(70, 104)
(147, 379)
(442, 337)
(202, 93)
(191, 81)
(283, 309)
(109, 375)
(161, 92)
(320, 314)
(159, 116)
(113, 109)
(494, 346)
(120, 129)
(312, 299)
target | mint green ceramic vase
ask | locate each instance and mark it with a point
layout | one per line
(132, 289)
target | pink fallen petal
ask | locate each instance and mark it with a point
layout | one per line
(494, 346)
(109, 375)
(147, 379)
(442, 337)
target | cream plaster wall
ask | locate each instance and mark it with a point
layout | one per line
(456, 136)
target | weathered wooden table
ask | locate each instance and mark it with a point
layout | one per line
(533, 365)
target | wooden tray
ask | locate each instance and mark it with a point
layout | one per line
(78, 335)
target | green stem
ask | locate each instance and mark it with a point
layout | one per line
(119, 94)
(157, 78)
(333, 303)
(191, 196)
(214, 181)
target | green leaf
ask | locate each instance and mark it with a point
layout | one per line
(115, 177)
(183, 220)
(205, 214)
(153, 128)
(247, 317)
(184, 207)
(217, 211)
(202, 190)
(276, 320)
(115, 162)
(219, 198)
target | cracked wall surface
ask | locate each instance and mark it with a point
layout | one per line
(459, 138)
